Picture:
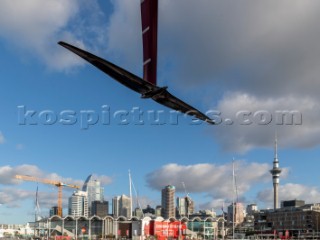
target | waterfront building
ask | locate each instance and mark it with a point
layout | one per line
(167, 202)
(16, 231)
(100, 208)
(203, 214)
(78, 204)
(293, 218)
(121, 206)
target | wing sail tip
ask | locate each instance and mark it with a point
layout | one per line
(62, 43)
(210, 121)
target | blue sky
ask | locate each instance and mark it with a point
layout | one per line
(217, 55)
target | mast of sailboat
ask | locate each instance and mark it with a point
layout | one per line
(36, 211)
(233, 202)
(137, 196)
(130, 192)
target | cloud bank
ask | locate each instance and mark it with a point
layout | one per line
(35, 27)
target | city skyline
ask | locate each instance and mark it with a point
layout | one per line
(250, 63)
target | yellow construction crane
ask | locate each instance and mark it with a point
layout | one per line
(51, 182)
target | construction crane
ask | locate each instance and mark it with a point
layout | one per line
(185, 189)
(58, 184)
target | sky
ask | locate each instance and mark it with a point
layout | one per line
(244, 63)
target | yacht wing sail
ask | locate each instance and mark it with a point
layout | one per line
(137, 84)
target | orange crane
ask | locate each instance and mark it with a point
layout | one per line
(51, 182)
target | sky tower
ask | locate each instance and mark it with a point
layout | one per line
(275, 171)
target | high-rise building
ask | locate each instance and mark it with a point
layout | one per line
(125, 206)
(78, 204)
(275, 172)
(252, 208)
(99, 208)
(235, 213)
(115, 206)
(185, 206)
(167, 202)
(94, 191)
(121, 206)
(53, 211)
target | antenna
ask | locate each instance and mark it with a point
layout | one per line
(275, 172)
(235, 184)
(276, 146)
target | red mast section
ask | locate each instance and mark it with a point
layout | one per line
(149, 20)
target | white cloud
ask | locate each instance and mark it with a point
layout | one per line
(299, 130)
(262, 47)
(124, 33)
(12, 198)
(7, 173)
(213, 180)
(291, 191)
(36, 26)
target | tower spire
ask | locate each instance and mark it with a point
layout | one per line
(276, 147)
(275, 172)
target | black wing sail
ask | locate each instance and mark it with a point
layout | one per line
(121, 75)
(137, 84)
(167, 99)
